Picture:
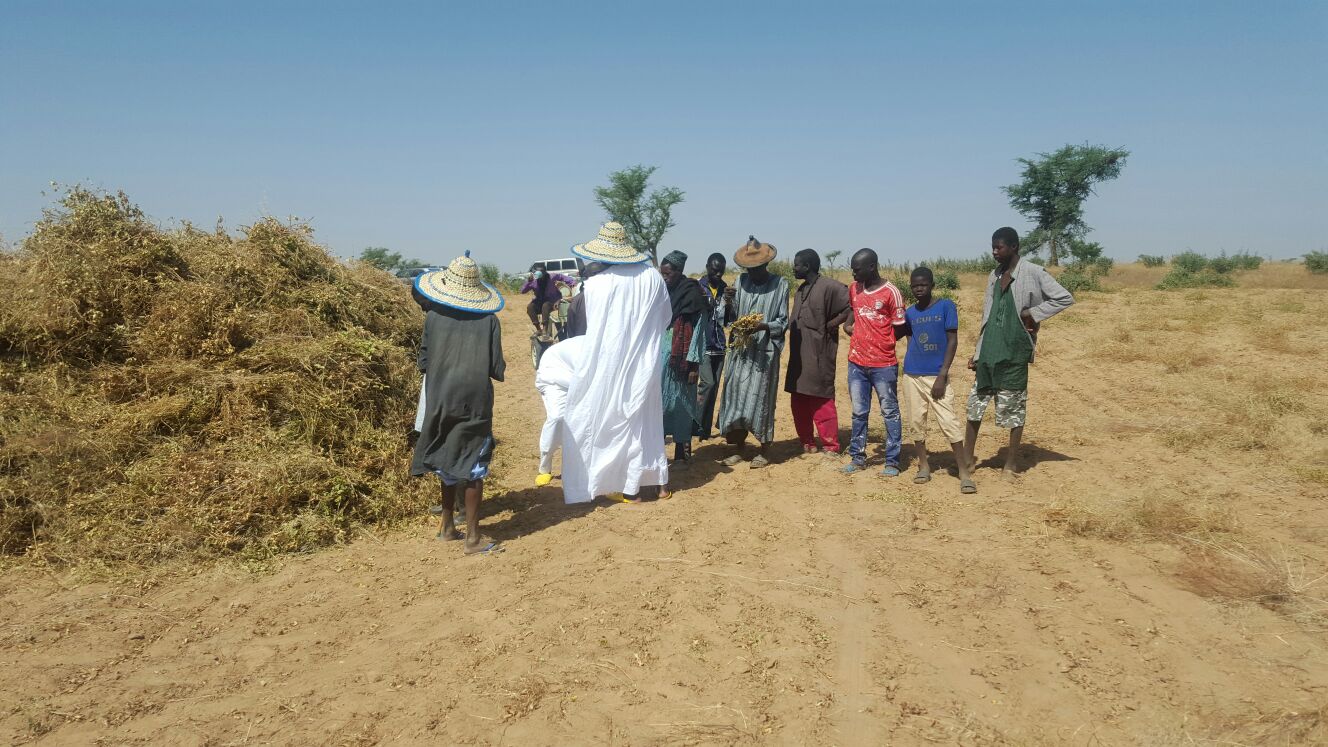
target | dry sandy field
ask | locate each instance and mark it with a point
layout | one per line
(1154, 574)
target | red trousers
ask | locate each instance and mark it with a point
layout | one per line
(809, 410)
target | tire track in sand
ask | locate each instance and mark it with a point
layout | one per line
(853, 723)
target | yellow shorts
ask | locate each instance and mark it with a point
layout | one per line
(918, 402)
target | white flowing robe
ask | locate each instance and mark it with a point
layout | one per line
(552, 379)
(613, 425)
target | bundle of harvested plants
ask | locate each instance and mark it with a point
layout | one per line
(744, 329)
(187, 394)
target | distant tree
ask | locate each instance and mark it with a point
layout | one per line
(1054, 188)
(646, 218)
(389, 261)
(832, 258)
(1317, 262)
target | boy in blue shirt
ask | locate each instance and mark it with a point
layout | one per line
(933, 336)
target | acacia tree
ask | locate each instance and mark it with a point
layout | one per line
(1054, 188)
(832, 258)
(646, 218)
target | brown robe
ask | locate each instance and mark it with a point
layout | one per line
(820, 304)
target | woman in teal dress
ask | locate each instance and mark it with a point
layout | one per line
(680, 354)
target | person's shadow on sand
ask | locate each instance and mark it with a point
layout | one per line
(532, 510)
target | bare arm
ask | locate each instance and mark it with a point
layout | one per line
(943, 378)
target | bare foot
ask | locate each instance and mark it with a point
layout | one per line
(449, 534)
(482, 546)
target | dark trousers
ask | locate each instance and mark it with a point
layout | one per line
(707, 391)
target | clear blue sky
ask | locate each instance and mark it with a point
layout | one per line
(431, 128)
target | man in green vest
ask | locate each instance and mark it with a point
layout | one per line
(1020, 296)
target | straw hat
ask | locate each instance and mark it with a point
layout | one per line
(754, 254)
(610, 247)
(460, 287)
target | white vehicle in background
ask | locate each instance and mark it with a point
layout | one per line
(540, 341)
(564, 265)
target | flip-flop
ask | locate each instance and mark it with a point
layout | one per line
(493, 548)
(923, 476)
(852, 467)
(542, 479)
(890, 471)
(967, 487)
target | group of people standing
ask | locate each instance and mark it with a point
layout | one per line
(651, 348)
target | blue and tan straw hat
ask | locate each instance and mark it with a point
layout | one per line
(459, 286)
(610, 247)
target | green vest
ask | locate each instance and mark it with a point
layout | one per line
(1006, 347)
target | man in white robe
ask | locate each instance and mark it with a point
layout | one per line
(613, 434)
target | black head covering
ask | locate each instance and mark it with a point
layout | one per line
(685, 296)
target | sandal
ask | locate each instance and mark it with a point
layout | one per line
(731, 460)
(967, 487)
(759, 461)
(923, 476)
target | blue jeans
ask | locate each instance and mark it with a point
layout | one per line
(861, 381)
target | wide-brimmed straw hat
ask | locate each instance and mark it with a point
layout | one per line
(610, 247)
(754, 254)
(459, 286)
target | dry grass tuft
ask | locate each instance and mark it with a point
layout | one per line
(184, 394)
(1154, 516)
(1285, 726)
(1274, 580)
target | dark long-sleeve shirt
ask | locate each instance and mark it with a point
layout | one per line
(820, 305)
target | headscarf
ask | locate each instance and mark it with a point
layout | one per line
(687, 301)
(685, 295)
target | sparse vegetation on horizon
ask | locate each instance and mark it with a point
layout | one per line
(1190, 269)
(389, 261)
(1317, 262)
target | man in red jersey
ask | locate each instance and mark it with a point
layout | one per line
(876, 308)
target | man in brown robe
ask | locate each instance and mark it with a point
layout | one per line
(820, 305)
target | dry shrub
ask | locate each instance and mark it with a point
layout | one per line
(185, 394)
(1282, 726)
(1274, 580)
(1152, 516)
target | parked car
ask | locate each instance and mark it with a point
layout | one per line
(564, 265)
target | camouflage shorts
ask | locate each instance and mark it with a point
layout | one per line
(1011, 406)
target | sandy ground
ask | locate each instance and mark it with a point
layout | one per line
(1151, 577)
